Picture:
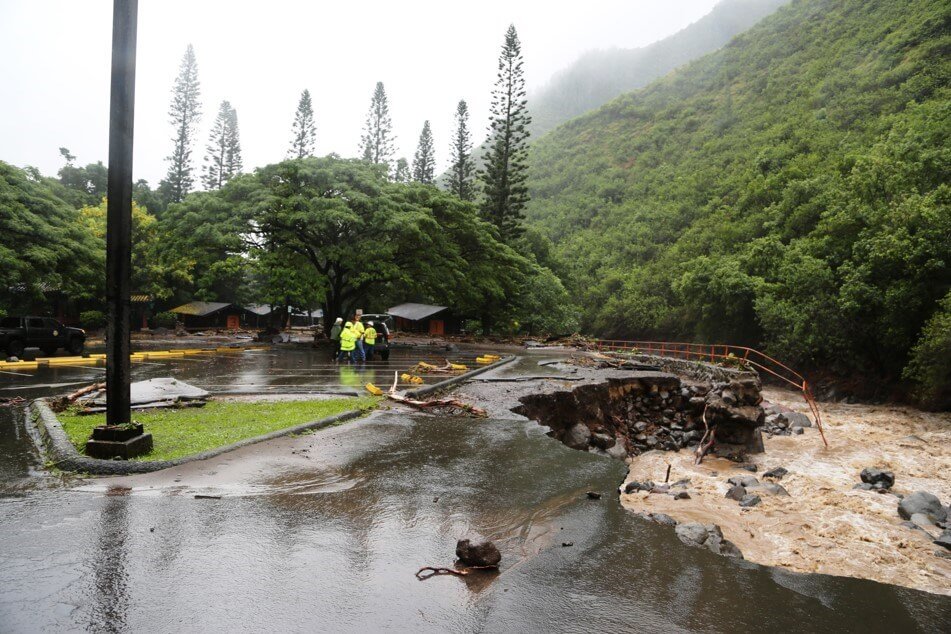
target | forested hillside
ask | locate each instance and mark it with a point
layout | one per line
(790, 190)
(600, 76)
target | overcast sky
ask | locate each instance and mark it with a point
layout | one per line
(260, 56)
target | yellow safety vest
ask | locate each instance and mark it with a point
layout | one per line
(358, 329)
(348, 340)
(369, 335)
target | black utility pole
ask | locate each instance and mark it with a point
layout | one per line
(119, 211)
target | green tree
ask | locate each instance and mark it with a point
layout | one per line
(89, 183)
(42, 243)
(424, 162)
(223, 158)
(377, 142)
(402, 172)
(152, 273)
(460, 171)
(184, 113)
(505, 169)
(304, 129)
(929, 369)
(208, 231)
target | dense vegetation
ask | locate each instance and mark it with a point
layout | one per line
(599, 76)
(790, 190)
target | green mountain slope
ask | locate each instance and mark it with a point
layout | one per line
(599, 76)
(790, 190)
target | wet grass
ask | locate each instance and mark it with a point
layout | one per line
(183, 432)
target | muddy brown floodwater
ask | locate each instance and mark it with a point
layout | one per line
(325, 532)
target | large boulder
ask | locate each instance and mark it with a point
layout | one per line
(707, 536)
(736, 492)
(482, 554)
(878, 478)
(744, 481)
(795, 419)
(578, 436)
(924, 503)
(603, 441)
(944, 539)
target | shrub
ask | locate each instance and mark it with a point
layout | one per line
(92, 319)
(164, 320)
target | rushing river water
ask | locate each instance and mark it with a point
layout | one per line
(332, 544)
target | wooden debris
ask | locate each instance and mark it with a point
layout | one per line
(434, 571)
(95, 387)
(448, 403)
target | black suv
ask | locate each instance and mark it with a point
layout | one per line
(19, 333)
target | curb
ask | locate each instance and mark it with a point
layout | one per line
(65, 456)
(453, 381)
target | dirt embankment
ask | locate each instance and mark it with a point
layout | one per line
(824, 525)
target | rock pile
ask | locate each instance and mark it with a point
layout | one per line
(780, 421)
(629, 416)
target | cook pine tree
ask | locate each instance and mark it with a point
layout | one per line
(461, 169)
(223, 153)
(377, 142)
(505, 168)
(184, 114)
(424, 162)
(304, 129)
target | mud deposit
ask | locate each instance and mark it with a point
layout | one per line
(824, 525)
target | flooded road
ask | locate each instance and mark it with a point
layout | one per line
(325, 532)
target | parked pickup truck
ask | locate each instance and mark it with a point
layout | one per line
(18, 333)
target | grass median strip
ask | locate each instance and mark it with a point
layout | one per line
(183, 432)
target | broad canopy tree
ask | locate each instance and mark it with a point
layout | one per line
(363, 238)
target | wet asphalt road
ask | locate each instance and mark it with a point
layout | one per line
(330, 541)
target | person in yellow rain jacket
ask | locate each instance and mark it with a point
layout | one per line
(348, 343)
(358, 331)
(369, 340)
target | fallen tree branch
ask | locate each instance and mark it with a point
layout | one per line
(437, 570)
(438, 403)
(95, 387)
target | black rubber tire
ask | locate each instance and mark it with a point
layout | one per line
(76, 346)
(50, 351)
(15, 348)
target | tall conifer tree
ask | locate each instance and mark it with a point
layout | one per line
(184, 113)
(304, 129)
(223, 153)
(505, 169)
(460, 171)
(376, 144)
(424, 162)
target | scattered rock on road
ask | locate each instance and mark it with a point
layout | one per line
(483, 554)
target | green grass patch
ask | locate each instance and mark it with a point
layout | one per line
(191, 430)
